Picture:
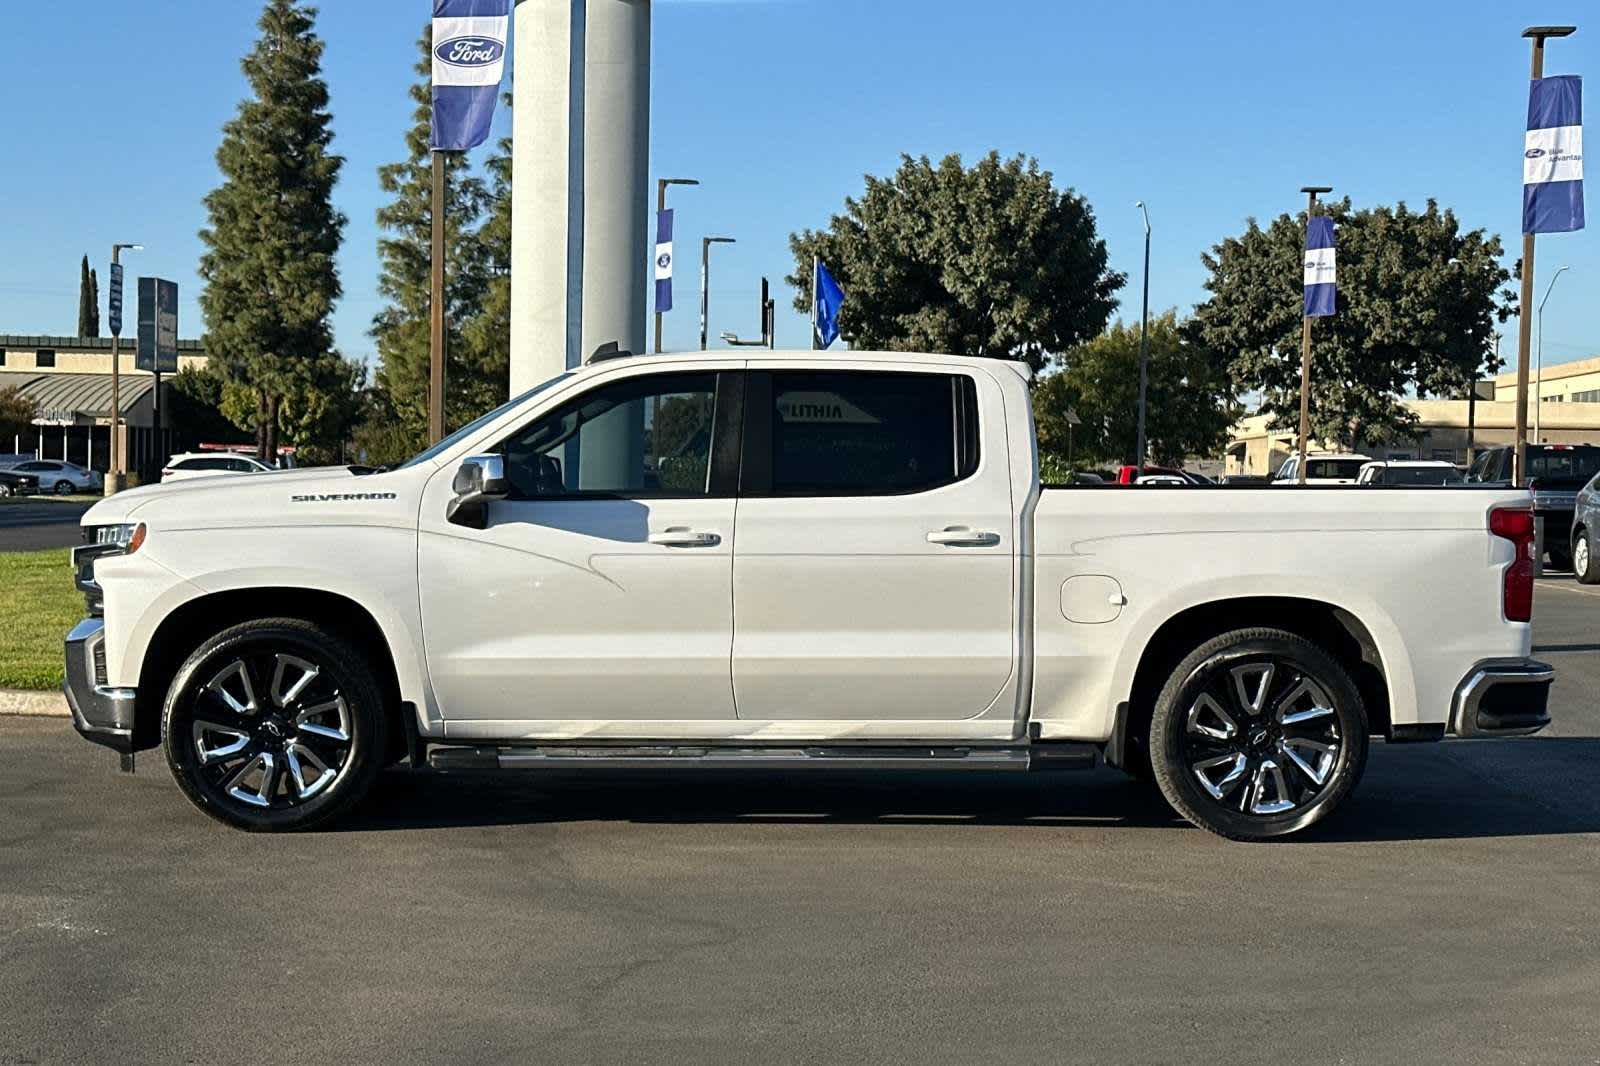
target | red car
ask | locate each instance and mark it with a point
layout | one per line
(1130, 475)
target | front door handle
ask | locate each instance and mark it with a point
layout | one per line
(681, 537)
(962, 537)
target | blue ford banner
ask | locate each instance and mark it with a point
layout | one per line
(1320, 273)
(663, 261)
(826, 300)
(1552, 157)
(469, 58)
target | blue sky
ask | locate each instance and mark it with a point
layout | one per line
(1212, 113)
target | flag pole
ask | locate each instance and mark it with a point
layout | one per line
(436, 331)
(1311, 192)
(816, 285)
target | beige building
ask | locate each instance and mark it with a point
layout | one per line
(69, 378)
(1569, 413)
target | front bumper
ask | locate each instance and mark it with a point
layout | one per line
(102, 714)
(1503, 698)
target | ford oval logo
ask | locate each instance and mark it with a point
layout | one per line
(1533, 153)
(470, 51)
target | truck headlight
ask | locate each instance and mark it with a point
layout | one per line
(126, 537)
(100, 542)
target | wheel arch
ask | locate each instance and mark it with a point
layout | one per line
(192, 622)
(1336, 629)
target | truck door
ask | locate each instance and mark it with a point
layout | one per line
(602, 589)
(874, 563)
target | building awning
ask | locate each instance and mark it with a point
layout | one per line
(77, 399)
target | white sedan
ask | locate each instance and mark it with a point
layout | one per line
(209, 464)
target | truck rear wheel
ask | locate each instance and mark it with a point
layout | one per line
(275, 725)
(1258, 734)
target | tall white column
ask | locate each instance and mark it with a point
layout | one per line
(547, 196)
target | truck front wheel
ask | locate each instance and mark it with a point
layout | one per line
(1258, 734)
(275, 725)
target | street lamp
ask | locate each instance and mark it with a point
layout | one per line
(1144, 338)
(118, 473)
(661, 206)
(705, 285)
(1538, 380)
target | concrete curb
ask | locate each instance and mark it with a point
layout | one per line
(33, 704)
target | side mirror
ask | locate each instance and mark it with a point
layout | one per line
(479, 481)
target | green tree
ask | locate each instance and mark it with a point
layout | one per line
(1190, 404)
(17, 413)
(1418, 302)
(269, 267)
(88, 301)
(405, 251)
(990, 260)
(485, 362)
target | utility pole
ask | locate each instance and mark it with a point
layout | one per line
(437, 333)
(118, 475)
(661, 207)
(1311, 192)
(1537, 34)
(705, 286)
(1144, 339)
(1538, 374)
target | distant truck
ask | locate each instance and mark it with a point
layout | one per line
(791, 561)
(1556, 474)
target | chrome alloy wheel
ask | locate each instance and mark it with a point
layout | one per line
(271, 730)
(1580, 554)
(1261, 737)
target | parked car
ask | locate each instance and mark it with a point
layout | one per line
(15, 484)
(209, 464)
(62, 478)
(1327, 469)
(1411, 472)
(525, 595)
(1555, 474)
(1586, 533)
(1135, 475)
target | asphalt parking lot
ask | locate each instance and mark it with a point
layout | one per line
(36, 525)
(1446, 915)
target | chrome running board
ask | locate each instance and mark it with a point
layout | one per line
(1054, 756)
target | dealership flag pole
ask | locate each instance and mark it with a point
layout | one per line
(1552, 194)
(1319, 301)
(469, 58)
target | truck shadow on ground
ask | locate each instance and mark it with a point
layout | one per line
(1530, 787)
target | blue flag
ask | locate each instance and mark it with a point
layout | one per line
(663, 261)
(1321, 292)
(1552, 157)
(826, 300)
(469, 58)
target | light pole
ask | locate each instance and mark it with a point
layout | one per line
(705, 286)
(118, 472)
(1144, 338)
(1311, 192)
(661, 207)
(1537, 34)
(1538, 380)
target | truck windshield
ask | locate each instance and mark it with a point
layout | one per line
(1333, 469)
(472, 427)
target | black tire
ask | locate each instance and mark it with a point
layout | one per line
(1584, 564)
(1560, 558)
(63, 488)
(241, 745)
(1255, 740)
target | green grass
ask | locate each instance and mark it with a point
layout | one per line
(38, 605)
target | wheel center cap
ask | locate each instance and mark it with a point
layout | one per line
(1258, 738)
(275, 728)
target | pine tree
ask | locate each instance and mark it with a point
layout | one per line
(88, 303)
(401, 329)
(486, 362)
(269, 271)
(94, 303)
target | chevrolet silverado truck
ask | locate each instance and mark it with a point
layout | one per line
(791, 560)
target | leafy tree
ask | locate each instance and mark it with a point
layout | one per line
(1190, 399)
(88, 301)
(17, 413)
(1418, 301)
(990, 260)
(402, 328)
(271, 279)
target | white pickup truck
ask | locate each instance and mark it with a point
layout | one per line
(791, 560)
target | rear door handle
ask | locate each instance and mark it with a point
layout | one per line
(680, 537)
(962, 537)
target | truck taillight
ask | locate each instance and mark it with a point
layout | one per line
(1516, 525)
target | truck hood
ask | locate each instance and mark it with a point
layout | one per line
(252, 499)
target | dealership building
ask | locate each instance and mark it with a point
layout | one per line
(1568, 412)
(69, 380)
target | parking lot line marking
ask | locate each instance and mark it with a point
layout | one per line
(1569, 588)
